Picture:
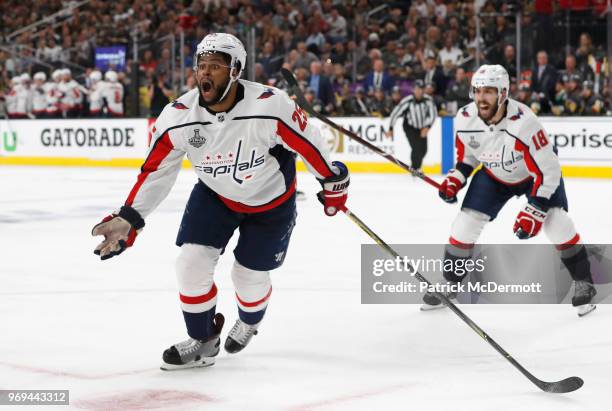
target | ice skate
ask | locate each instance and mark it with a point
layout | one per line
(194, 353)
(239, 336)
(584, 292)
(431, 302)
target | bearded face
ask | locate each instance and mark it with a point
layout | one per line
(212, 77)
(486, 99)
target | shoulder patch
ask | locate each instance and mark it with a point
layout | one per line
(179, 106)
(267, 93)
(517, 115)
(464, 112)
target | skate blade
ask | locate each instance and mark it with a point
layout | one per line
(429, 307)
(205, 362)
(585, 309)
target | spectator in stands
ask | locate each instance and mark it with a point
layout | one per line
(269, 62)
(339, 54)
(378, 78)
(159, 94)
(433, 74)
(544, 78)
(396, 97)
(558, 103)
(509, 60)
(411, 63)
(358, 103)
(591, 103)
(52, 52)
(304, 57)
(585, 51)
(450, 52)
(380, 105)
(321, 87)
(164, 65)
(585, 72)
(339, 79)
(337, 26)
(260, 74)
(573, 94)
(524, 93)
(439, 101)
(147, 62)
(314, 102)
(458, 94)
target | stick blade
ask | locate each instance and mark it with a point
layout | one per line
(567, 385)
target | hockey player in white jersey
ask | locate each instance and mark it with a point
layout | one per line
(17, 99)
(39, 91)
(241, 139)
(96, 100)
(112, 94)
(71, 95)
(517, 158)
(54, 95)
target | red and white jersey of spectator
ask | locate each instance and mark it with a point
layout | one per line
(246, 155)
(113, 93)
(512, 151)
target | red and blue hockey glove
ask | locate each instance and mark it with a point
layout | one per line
(529, 221)
(119, 231)
(335, 190)
(454, 181)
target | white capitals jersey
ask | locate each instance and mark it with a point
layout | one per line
(17, 100)
(246, 155)
(512, 151)
(71, 95)
(96, 101)
(39, 97)
(112, 92)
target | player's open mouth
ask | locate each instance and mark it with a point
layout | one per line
(207, 88)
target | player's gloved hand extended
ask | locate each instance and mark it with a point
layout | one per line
(529, 220)
(454, 181)
(335, 190)
(119, 231)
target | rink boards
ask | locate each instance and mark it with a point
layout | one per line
(584, 144)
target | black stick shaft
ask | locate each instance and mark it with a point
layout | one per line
(571, 384)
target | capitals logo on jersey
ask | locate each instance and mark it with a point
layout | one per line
(240, 170)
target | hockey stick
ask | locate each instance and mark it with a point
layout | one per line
(301, 100)
(567, 385)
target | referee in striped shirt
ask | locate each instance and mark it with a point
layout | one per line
(419, 113)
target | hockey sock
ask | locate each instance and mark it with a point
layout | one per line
(576, 260)
(200, 326)
(251, 318)
(454, 257)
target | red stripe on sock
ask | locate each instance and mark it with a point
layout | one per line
(569, 243)
(200, 298)
(254, 303)
(459, 244)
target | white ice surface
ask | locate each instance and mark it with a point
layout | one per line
(70, 321)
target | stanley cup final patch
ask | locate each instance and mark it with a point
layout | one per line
(197, 140)
(473, 143)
